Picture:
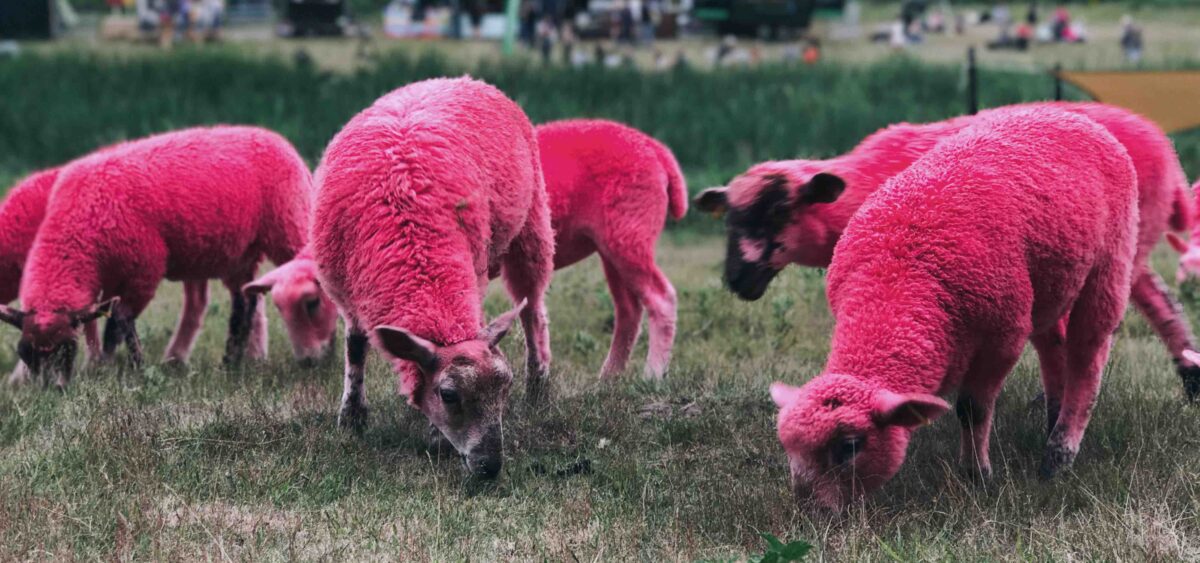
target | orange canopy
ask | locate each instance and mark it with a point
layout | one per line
(1169, 98)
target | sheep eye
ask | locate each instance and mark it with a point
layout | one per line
(846, 448)
(449, 396)
(311, 306)
(779, 215)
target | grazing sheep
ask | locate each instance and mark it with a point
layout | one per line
(1021, 227)
(191, 205)
(308, 314)
(20, 215)
(611, 188)
(795, 211)
(419, 197)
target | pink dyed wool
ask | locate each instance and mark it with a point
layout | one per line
(1020, 227)
(191, 205)
(794, 211)
(611, 188)
(419, 196)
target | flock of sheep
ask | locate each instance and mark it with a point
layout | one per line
(949, 246)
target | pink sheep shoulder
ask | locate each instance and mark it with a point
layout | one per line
(611, 189)
(1021, 227)
(190, 205)
(419, 197)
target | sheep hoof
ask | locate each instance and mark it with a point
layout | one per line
(353, 417)
(1191, 380)
(1056, 458)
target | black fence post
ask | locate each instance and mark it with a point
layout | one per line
(972, 83)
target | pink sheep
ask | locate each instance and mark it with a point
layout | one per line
(190, 205)
(611, 188)
(795, 211)
(419, 196)
(20, 216)
(1020, 227)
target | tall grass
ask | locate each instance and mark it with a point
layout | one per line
(58, 107)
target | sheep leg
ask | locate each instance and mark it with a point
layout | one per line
(114, 334)
(977, 401)
(627, 323)
(657, 295)
(527, 268)
(20, 374)
(122, 327)
(91, 336)
(1052, 356)
(1154, 301)
(1091, 323)
(258, 330)
(191, 318)
(241, 318)
(354, 412)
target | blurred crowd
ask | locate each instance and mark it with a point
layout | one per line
(175, 20)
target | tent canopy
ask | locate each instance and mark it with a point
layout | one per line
(1169, 98)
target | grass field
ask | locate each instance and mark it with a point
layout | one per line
(179, 464)
(169, 465)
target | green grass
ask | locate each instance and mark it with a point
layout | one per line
(160, 465)
(164, 464)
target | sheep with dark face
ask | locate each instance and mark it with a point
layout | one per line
(794, 211)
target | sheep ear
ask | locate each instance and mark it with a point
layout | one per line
(783, 394)
(14, 317)
(1192, 356)
(1177, 242)
(822, 188)
(495, 332)
(909, 410)
(713, 200)
(404, 345)
(97, 310)
(266, 282)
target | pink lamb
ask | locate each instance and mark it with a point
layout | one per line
(610, 188)
(795, 211)
(419, 196)
(191, 205)
(1020, 227)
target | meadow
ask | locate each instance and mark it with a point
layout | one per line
(201, 461)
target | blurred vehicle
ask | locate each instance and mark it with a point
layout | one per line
(762, 18)
(308, 18)
(27, 19)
